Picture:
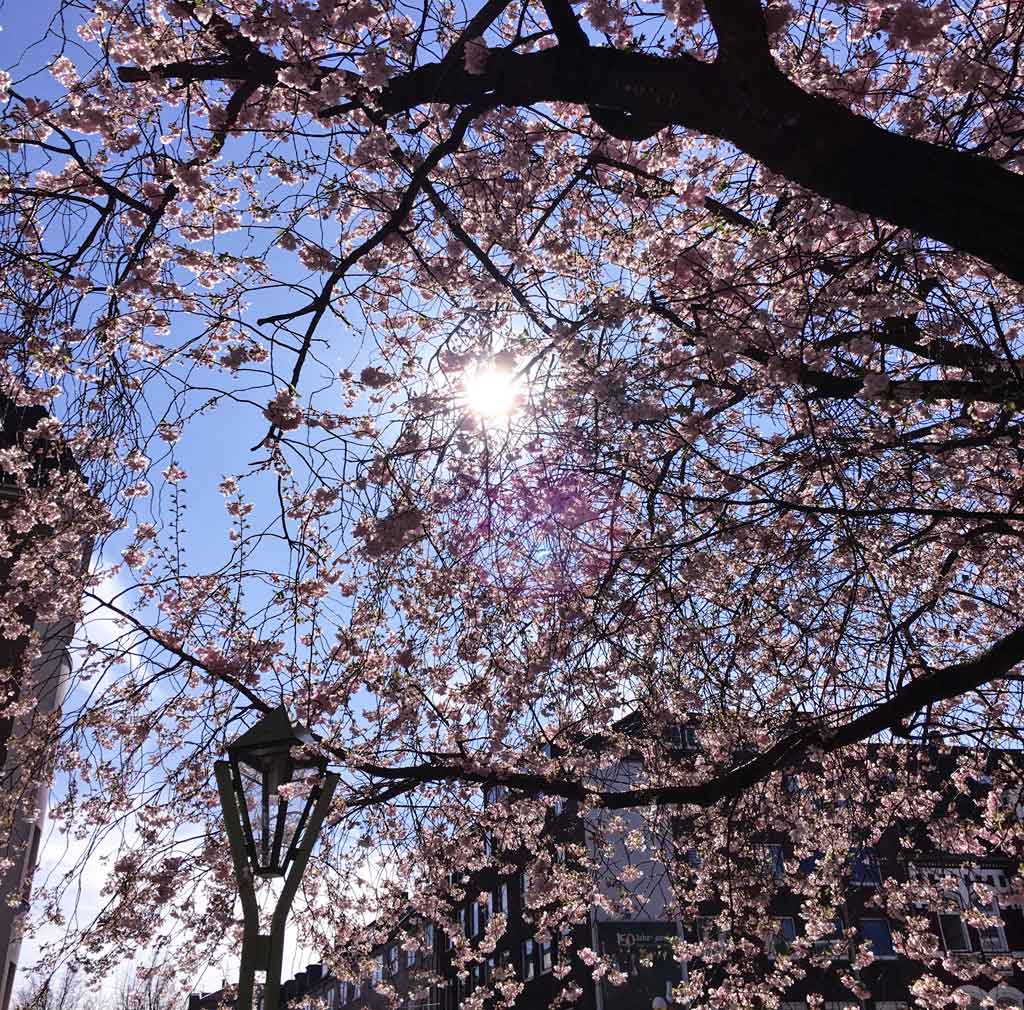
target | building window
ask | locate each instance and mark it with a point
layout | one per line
(463, 926)
(529, 960)
(494, 794)
(954, 932)
(878, 935)
(547, 957)
(681, 737)
(772, 860)
(707, 928)
(410, 958)
(30, 866)
(524, 887)
(836, 940)
(378, 968)
(865, 871)
(428, 937)
(393, 959)
(500, 898)
(957, 894)
(785, 934)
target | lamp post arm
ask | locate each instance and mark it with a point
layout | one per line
(254, 947)
(236, 841)
(272, 990)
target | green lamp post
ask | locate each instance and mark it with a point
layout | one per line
(271, 833)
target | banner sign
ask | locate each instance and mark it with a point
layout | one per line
(643, 952)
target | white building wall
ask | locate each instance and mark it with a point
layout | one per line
(21, 849)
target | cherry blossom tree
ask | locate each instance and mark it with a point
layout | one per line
(560, 366)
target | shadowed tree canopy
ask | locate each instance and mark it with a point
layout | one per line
(553, 363)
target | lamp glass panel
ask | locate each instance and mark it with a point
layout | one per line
(273, 817)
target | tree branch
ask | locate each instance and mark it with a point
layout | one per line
(967, 202)
(934, 686)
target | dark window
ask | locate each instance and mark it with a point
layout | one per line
(773, 861)
(529, 960)
(30, 867)
(879, 935)
(954, 932)
(865, 869)
(834, 940)
(547, 957)
(494, 794)
(991, 939)
(707, 928)
(681, 737)
(784, 936)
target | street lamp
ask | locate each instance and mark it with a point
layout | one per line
(271, 832)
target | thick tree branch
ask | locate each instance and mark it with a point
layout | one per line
(931, 687)
(741, 31)
(967, 202)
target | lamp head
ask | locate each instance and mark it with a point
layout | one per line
(273, 754)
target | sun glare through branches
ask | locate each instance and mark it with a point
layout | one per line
(492, 392)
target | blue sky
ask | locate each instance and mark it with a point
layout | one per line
(208, 450)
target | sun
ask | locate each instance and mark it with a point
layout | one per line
(491, 391)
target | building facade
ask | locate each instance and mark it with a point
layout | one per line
(643, 939)
(24, 790)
